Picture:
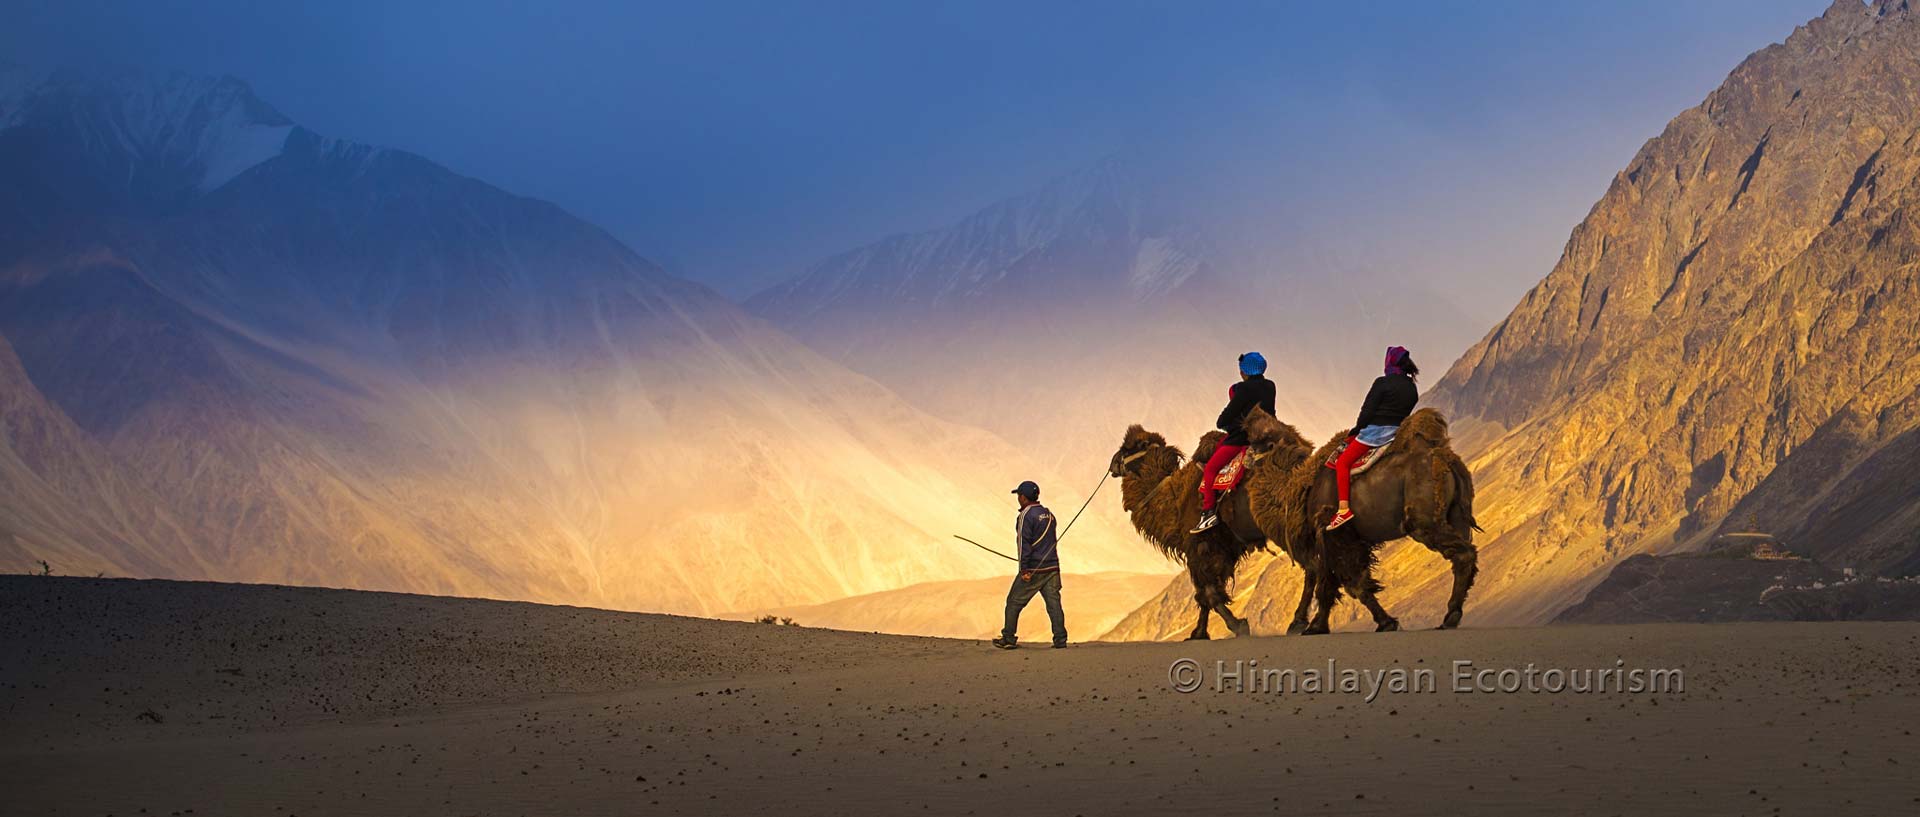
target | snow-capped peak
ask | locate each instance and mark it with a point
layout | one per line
(17, 83)
(1095, 232)
(213, 129)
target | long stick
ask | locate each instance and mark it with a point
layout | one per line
(985, 548)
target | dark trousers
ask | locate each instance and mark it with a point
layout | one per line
(1048, 586)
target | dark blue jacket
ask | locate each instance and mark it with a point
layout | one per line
(1036, 530)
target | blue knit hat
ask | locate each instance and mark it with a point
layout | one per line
(1253, 363)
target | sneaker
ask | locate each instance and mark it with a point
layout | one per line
(1207, 520)
(1003, 643)
(1340, 518)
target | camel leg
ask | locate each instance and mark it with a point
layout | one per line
(1212, 597)
(1308, 575)
(1362, 588)
(1326, 592)
(1466, 565)
(1200, 629)
(1238, 625)
(1459, 550)
(1200, 600)
(1383, 622)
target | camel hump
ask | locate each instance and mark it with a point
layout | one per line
(1426, 424)
(1209, 442)
(1265, 432)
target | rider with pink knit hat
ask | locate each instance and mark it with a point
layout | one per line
(1388, 403)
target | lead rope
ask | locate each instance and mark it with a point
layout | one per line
(1083, 506)
(1063, 531)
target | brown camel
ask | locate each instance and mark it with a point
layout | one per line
(1418, 488)
(1274, 494)
(1162, 497)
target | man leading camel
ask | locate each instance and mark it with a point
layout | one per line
(1254, 389)
(1039, 569)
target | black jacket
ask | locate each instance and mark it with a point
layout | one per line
(1241, 398)
(1388, 403)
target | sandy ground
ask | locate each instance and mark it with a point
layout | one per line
(159, 698)
(976, 608)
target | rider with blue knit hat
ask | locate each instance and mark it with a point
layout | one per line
(1254, 389)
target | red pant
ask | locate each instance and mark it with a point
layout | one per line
(1221, 456)
(1343, 467)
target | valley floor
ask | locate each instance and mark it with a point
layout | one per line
(141, 697)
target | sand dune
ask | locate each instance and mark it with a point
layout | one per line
(270, 700)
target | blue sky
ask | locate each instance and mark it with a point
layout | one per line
(738, 142)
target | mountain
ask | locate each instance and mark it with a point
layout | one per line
(1090, 234)
(1057, 318)
(1726, 345)
(975, 608)
(1741, 578)
(249, 352)
(65, 498)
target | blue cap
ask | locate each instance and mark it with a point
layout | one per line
(1028, 489)
(1253, 363)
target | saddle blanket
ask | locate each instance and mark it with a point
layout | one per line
(1230, 474)
(1366, 460)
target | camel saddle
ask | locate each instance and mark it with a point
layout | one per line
(1366, 460)
(1230, 474)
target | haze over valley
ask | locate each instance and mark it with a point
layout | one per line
(239, 349)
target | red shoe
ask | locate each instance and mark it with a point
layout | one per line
(1340, 518)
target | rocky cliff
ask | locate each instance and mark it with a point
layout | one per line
(1726, 344)
(1735, 583)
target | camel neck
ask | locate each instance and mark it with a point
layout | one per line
(1156, 468)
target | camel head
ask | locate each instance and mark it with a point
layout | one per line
(1133, 447)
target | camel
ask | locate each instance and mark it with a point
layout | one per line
(1162, 497)
(1274, 494)
(1418, 488)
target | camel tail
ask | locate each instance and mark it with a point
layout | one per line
(1462, 509)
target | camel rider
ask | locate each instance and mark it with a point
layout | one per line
(1388, 403)
(1033, 529)
(1254, 389)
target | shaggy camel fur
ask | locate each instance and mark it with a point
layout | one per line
(1162, 496)
(1418, 488)
(1268, 504)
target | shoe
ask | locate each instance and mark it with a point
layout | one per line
(1340, 518)
(1207, 520)
(1004, 644)
(1059, 645)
